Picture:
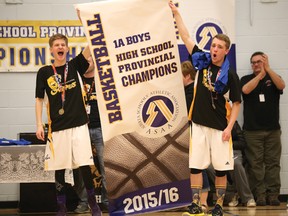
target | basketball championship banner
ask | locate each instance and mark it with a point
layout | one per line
(142, 104)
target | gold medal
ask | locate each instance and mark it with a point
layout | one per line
(60, 89)
(61, 111)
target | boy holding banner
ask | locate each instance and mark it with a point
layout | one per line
(211, 138)
(189, 72)
(97, 143)
(68, 144)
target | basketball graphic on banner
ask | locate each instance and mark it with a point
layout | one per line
(146, 162)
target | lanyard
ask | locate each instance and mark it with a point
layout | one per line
(62, 89)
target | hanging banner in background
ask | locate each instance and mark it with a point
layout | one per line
(206, 18)
(24, 44)
(142, 104)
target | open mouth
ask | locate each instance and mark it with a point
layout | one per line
(61, 53)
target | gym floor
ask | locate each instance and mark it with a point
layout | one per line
(228, 211)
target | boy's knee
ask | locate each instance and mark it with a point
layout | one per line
(195, 171)
(220, 173)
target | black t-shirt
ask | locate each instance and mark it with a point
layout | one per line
(74, 108)
(94, 117)
(203, 111)
(189, 89)
(261, 115)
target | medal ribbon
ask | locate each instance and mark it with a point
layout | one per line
(58, 80)
(209, 75)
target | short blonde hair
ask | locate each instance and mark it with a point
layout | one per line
(224, 38)
(56, 37)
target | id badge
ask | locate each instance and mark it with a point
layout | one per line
(88, 109)
(261, 97)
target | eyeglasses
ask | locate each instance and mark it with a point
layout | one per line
(255, 62)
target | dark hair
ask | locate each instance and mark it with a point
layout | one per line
(187, 68)
(256, 53)
(224, 38)
(56, 37)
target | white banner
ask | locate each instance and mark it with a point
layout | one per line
(141, 97)
(141, 101)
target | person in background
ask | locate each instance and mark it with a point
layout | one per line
(211, 137)
(261, 92)
(237, 177)
(68, 144)
(95, 132)
(188, 73)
